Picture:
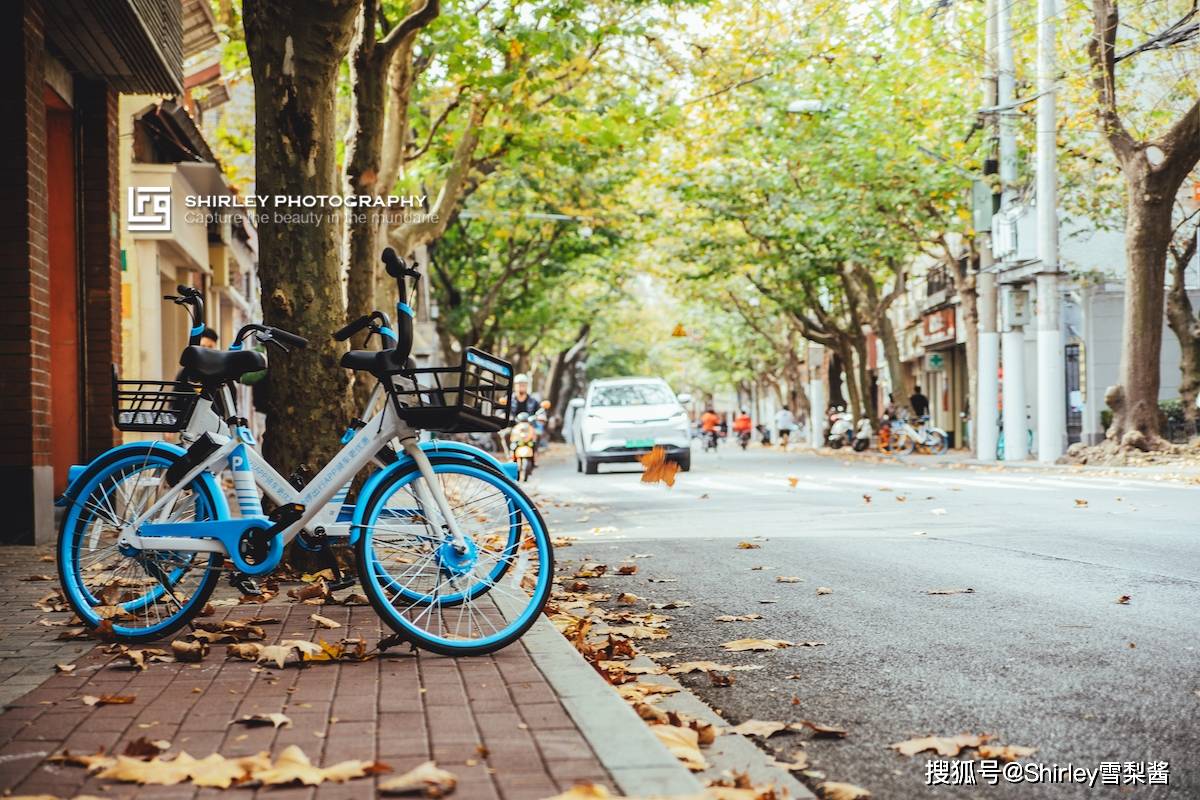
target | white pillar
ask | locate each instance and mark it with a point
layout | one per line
(1015, 443)
(1051, 372)
(815, 359)
(987, 404)
(1051, 377)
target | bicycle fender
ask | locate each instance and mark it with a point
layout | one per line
(80, 474)
(449, 448)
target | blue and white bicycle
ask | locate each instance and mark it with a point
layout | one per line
(451, 554)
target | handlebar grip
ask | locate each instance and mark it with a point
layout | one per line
(289, 338)
(344, 333)
(395, 264)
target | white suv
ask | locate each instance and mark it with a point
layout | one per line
(623, 418)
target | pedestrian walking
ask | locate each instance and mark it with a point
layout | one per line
(785, 421)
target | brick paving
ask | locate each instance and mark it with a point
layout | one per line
(493, 721)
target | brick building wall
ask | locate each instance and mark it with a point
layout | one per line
(97, 106)
(26, 368)
(25, 471)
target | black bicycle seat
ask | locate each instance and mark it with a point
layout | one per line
(218, 366)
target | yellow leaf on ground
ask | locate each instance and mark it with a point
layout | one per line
(698, 666)
(427, 779)
(738, 645)
(325, 622)
(293, 766)
(832, 790)
(1008, 752)
(947, 746)
(748, 546)
(683, 743)
(759, 727)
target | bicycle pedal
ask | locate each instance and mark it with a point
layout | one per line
(245, 584)
(344, 582)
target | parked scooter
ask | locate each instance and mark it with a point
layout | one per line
(841, 429)
(521, 440)
(862, 435)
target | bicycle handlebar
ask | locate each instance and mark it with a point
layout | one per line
(345, 332)
(194, 300)
(271, 334)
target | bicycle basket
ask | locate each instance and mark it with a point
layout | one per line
(475, 396)
(153, 406)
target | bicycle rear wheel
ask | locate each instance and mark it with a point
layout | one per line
(452, 603)
(144, 595)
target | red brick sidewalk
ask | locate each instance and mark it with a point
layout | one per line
(400, 709)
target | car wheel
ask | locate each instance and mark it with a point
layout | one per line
(578, 464)
(590, 467)
(685, 462)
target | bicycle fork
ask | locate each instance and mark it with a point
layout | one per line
(431, 490)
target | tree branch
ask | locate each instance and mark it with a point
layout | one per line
(418, 19)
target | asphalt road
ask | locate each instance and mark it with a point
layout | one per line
(1040, 654)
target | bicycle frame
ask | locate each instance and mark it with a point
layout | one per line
(319, 498)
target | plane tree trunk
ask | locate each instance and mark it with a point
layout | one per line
(295, 50)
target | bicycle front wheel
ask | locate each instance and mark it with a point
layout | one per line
(455, 603)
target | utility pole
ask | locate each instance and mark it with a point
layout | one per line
(987, 381)
(1013, 339)
(1051, 374)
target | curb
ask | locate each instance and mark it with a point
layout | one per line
(637, 761)
(731, 752)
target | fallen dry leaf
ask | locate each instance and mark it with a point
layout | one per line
(658, 468)
(720, 679)
(143, 748)
(325, 622)
(67, 668)
(866, 498)
(293, 766)
(793, 481)
(832, 790)
(628, 598)
(820, 730)
(787, 579)
(699, 666)
(748, 546)
(276, 720)
(947, 746)
(189, 651)
(427, 779)
(824, 590)
(683, 743)
(759, 727)
(738, 617)
(1008, 752)
(1080, 503)
(107, 699)
(951, 591)
(799, 762)
(738, 645)
(1124, 599)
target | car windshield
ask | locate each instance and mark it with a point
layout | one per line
(632, 394)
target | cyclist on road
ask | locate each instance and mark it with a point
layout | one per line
(742, 422)
(523, 401)
(709, 421)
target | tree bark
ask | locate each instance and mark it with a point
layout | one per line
(1147, 237)
(295, 49)
(1181, 317)
(1150, 189)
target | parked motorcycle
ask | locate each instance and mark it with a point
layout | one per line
(521, 441)
(841, 429)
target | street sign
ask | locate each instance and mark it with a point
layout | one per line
(935, 362)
